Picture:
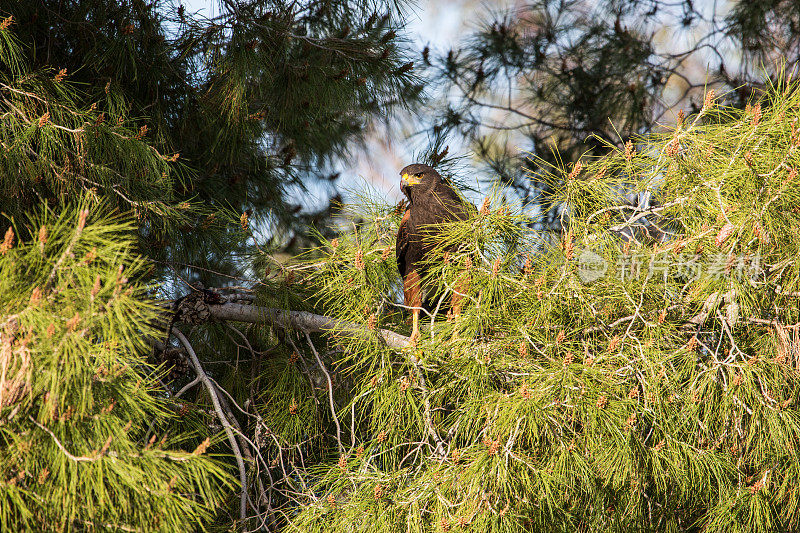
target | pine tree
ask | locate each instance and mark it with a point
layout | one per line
(81, 411)
(143, 125)
(560, 78)
(261, 102)
(593, 382)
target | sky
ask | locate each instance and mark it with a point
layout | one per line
(377, 168)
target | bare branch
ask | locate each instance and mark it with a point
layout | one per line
(303, 321)
(212, 392)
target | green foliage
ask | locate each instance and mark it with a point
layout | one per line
(262, 102)
(660, 400)
(54, 147)
(560, 78)
(78, 401)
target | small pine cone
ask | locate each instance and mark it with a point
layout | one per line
(486, 207)
(378, 491)
(527, 268)
(629, 151)
(600, 174)
(568, 359)
(613, 344)
(381, 436)
(202, 447)
(8, 241)
(496, 267)
(724, 233)
(335, 243)
(692, 344)
(708, 102)
(560, 337)
(673, 148)
(372, 322)
(791, 177)
(359, 261)
(523, 350)
(96, 286)
(681, 117)
(634, 393)
(756, 118)
(331, 500)
(602, 402)
(760, 232)
(493, 445)
(630, 423)
(343, 463)
(662, 315)
(73, 322)
(293, 408)
(569, 245)
(758, 485)
(575, 170)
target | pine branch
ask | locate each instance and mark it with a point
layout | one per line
(302, 321)
(198, 368)
(76, 458)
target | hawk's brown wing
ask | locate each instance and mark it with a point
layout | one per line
(407, 256)
(401, 247)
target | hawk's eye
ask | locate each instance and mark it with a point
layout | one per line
(419, 174)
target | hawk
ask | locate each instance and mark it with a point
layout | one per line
(432, 202)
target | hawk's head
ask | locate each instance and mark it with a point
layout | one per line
(419, 177)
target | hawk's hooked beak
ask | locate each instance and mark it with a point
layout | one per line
(407, 180)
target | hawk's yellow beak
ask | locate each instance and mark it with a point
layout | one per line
(409, 180)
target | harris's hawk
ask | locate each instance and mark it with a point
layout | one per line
(432, 202)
